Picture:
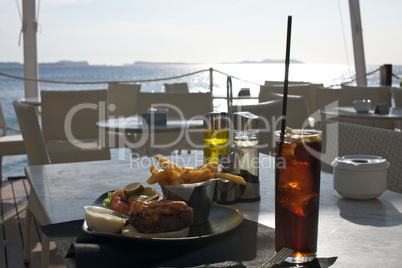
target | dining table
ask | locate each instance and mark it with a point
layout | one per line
(351, 233)
(140, 133)
(36, 101)
(394, 114)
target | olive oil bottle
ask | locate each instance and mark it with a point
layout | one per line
(216, 136)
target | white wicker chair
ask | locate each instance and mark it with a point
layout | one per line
(306, 90)
(57, 148)
(124, 98)
(340, 139)
(121, 102)
(269, 114)
(83, 109)
(397, 95)
(37, 155)
(9, 144)
(296, 115)
(188, 105)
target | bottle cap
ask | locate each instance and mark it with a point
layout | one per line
(245, 121)
(215, 120)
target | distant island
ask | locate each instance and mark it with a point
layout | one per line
(58, 63)
(271, 61)
(158, 63)
(67, 63)
(241, 62)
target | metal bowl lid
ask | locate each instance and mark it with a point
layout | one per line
(360, 162)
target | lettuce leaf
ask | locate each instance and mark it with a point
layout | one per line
(108, 199)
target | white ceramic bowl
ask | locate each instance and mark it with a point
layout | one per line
(360, 177)
(104, 220)
(362, 106)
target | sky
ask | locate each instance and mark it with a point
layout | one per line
(203, 31)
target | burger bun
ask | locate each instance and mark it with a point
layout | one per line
(129, 230)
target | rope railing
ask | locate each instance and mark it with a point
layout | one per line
(233, 77)
(357, 78)
(170, 78)
(102, 82)
(127, 81)
(370, 73)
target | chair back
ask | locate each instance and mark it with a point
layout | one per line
(306, 90)
(124, 98)
(81, 108)
(179, 104)
(188, 104)
(177, 87)
(69, 125)
(296, 115)
(341, 139)
(346, 95)
(34, 142)
(396, 93)
(3, 125)
(269, 114)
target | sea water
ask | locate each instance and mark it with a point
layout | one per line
(243, 76)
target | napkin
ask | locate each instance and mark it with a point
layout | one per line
(248, 245)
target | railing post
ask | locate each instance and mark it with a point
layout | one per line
(211, 79)
(386, 75)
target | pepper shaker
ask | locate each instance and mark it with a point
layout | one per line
(246, 155)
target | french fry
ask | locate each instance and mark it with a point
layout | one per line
(173, 174)
(187, 169)
(204, 175)
(230, 177)
(153, 169)
(187, 176)
(174, 177)
(167, 165)
(159, 158)
(213, 167)
(158, 177)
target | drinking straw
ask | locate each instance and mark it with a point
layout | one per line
(285, 85)
(230, 110)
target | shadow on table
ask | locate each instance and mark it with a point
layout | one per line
(238, 245)
(249, 245)
(375, 212)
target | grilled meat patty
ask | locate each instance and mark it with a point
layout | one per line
(166, 223)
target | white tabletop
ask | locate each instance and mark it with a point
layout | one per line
(136, 124)
(359, 233)
(350, 112)
(144, 145)
(36, 101)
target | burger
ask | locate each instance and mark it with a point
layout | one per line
(159, 219)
